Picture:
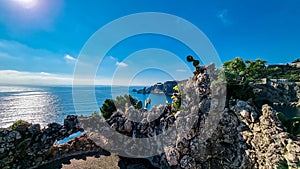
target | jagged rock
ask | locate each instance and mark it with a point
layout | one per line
(71, 123)
(23, 127)
(12, 136)
(172, 155)
(35, 129)
(204, 105)
(245, 114)
(128, 126)
(187, 162)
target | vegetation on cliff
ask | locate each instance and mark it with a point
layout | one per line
(121, 102)
(239, 74)
(238, 71)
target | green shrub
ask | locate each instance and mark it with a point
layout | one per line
(108, 108)
(15, 125)
(139, 105)
(121, 103)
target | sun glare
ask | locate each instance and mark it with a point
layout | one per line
(27, 3)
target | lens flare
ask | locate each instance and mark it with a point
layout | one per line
(27, 3)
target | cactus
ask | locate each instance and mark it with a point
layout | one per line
(176, 98)
(196, 63)
(191, 59)
(139, 105)
(147, 102)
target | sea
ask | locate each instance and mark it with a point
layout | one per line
(46, 104)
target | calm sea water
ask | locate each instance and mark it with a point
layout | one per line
(41, 104)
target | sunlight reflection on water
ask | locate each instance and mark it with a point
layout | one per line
(23, 103)
(44, 105)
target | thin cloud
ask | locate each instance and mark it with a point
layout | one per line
(69, 58)
(14, 77)
(181, 70)
(33, 78)
(45, 74)
(121, 64)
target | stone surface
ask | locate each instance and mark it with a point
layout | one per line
(29, 146)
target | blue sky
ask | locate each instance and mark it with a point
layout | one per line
(40, 40)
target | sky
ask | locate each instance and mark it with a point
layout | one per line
(41, 41)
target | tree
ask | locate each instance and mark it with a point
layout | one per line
(256, 69)
(239, 72)
(238, 75)
(108, 108)
(121, 104)
(235, 70)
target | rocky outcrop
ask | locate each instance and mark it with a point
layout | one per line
(268, 145)
(29, 146)
(277, 93)
(206, 136)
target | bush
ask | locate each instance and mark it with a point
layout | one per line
(108, 108)
(121, 103)
(19, 122)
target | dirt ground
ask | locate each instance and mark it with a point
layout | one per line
(103, 162)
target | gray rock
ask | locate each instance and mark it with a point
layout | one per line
(187, 162)
(128, 126)
(35, 129)
(172, 156)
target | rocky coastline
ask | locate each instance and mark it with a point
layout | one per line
(237, 136)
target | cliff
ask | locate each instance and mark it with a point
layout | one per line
(277, 92)
(159, 88)
(203, 134)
